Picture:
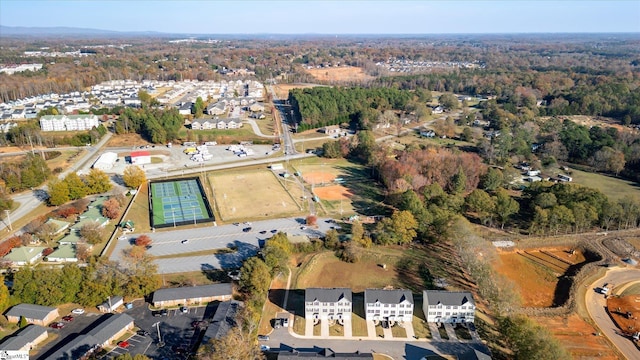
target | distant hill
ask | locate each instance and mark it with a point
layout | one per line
(21, 31)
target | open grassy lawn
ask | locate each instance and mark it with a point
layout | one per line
(228, 136)
(303, 146)
(398, 332)
(65, 160)
(462, 332)
(329, 271)
(139, 211)
(254, 194)
(616, 189)
(273, 305)
(266, 125)
(379, 331)
(336, 330)
(443, 332)
(317, 329)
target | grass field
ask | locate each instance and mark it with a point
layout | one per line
(177, 201)
(254, 194)
(338, 74)
(229, 136)
(616, 189)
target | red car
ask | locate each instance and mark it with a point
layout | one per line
(123, 344)
(57, 325)
(67, 318)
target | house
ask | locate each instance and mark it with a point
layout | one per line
(218, 108)
(25, 339)
(228, 124)
(437, 110)
(59, 225)
(65, 252)
(111, 305)
(389, 305)
(223, 320)
(203, 125)
(191, 295)
(133, 101)
(321, 354)
(256, 108)
(448, 306)
(103, 334)
(34, 314)
(257, 115)
(331, 129)
(140, 157)
(24, 255)
(185, 108)
(427, 133)
(328, 304)
(196, 125)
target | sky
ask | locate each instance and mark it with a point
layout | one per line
(328, 17)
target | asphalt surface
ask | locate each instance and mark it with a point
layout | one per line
(168, 243)
(597, 309)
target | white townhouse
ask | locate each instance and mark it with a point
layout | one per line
(328, 304)
(68, 122)
(448, 306)
(388, 305)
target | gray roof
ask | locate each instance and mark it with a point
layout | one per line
(23, 337)
(452, 298)
(223, 320)
(108, 328)
(191, 292)
(322, 353)
(111, 301)
(74, 349)
(329, 295)
(30, 311)
(387, 296)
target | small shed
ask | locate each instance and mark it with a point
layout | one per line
(112, 304)
(140, 157)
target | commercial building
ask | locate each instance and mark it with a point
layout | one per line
(105, 161)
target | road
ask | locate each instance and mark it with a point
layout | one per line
(289, 146)
(596, 307)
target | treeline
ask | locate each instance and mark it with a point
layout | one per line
(322, 106)
(86, 285)
(564, 93)
(31, 172)
(74, 187)
(156, 125)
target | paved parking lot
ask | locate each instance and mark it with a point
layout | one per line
(69, 331)
(209, 237)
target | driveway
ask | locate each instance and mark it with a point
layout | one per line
(596, 306)
(209, 237)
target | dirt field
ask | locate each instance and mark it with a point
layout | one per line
(318, 177)
(334, 192)
(338, 74)
(252, 194)
(282, 90)
(618, 308)
(578, 337)
(126, 140)
(326, 270)
(590, 121)
(535, 272)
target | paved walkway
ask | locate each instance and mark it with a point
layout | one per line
(371, 329)
(348, 332)
(324, 328)
(435, 334)
(410, 332)
(308, 329)
(387, 333)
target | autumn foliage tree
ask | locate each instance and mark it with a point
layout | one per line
(311, 220)
(111, 208)
(134, 176)
(143, 241)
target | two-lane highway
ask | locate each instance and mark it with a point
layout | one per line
(596, 307)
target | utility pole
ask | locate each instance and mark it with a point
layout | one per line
(9, 219)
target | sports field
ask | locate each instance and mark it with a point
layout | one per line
(177, 202)
(255, 194)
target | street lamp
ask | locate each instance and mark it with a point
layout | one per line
(193, 210)
(160, 342)
(173, 215)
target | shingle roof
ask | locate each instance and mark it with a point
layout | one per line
(223, 320)
(74, 349)
(23, 337)
(30, 311)
(330, 295)
(323, 353)
(111, 302)
(24, 253)
(108, 328)
(387, 296)
(453, 298)
(191, 292)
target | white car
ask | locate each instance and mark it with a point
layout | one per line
(78, 311)
(123, 237)
(264, 348)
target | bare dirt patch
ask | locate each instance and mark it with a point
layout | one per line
(578, 337)
(333, 192)
(340, 74)
(535, 272)
(316, 178)
(590, 121)
(126, 140)
(282, 90)
(619, 307)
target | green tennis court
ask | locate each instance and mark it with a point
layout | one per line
(178, 202)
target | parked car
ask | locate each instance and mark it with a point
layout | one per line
(184, 241)
(263, 337)
(142, 332)
(199, 324)
(123, 344)
(67, 318)
(57, 325)
(184, 309)
(263, 232)
(162, 312)
(247, 229)
(78, 311)
(285, 322)
(264, 348)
